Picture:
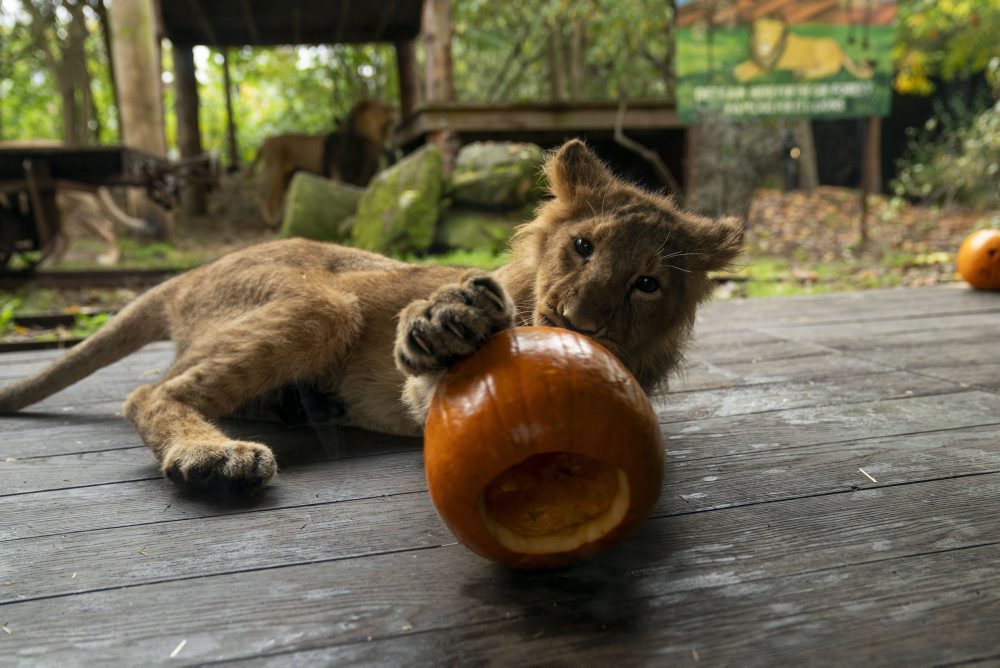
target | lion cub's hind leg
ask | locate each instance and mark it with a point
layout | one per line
(292, 337)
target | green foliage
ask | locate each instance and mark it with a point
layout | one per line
(487, 260)
(84, 325)
(943, 38)
(7, 316)
(507, 51)
(289, 89)
(954, 157)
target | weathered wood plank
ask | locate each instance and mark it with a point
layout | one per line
(812, 548)
(716, 437)
(294, 447)
(746, 400)
(18, 365)
(899, 612)
(868, 305)
(783, 538)
(157, 500)
(757, 476)
(699, 374)
(984, 374)
(743, 479)
(693, 413)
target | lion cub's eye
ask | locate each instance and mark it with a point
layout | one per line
(647, 284)
(583, 247)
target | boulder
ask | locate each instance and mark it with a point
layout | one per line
(472, 229)
(498, 174)
(398, 212)
(318, 208)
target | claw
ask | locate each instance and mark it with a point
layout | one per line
(419, 341)
(455, 329)
(493, 296)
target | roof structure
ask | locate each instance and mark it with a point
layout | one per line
(849, 12)
(268, 23)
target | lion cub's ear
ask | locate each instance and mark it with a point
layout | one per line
(573, 170)
(714, 244)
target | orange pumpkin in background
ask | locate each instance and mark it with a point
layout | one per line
(978, 259)
(541, 449)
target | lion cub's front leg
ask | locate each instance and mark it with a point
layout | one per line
(454, 322)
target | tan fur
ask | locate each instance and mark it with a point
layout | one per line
(357, 145)
(774, 47)
(376, 333)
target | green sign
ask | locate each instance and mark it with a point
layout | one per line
(781, 59)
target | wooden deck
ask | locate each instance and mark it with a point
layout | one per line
(832, 497)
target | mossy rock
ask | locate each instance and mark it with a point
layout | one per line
(318, 208)
(398, 212)
(498, 174)
(469, 229)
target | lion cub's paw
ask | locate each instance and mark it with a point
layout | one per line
(228, 467)
(457, 319)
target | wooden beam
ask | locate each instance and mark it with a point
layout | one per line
(249, 20)
(409, 76)
(194, 195)
(194, 6)
(521, 118)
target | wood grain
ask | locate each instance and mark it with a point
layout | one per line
(830, 498)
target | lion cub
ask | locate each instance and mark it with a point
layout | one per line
(372, 335)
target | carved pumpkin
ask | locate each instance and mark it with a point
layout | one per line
(978, 259)
(541, 448)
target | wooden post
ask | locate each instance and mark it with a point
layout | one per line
(409, 77)
(690, 171)
(871, 168)
(194, 196)
(137, 68)
(440, 87)
(437, 51)
(808, 169)
(231, 146)
(871, 171)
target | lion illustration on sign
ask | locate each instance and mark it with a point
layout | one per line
(774, 47)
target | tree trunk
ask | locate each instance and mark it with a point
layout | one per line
(105, 23)
(409, 76)
(75, 56)
(65, 55)
(135, 53)
(437, 29)
(194, 195)
(232, 148)
(669, 73)
(557, 74)
(575, 59)
(808, 170)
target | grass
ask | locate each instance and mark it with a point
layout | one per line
(772, 276)
(478, 259)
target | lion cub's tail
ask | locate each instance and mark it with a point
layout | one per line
(139, 323)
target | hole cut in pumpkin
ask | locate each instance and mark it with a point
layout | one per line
(554, 502)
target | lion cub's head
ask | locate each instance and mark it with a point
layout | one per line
(620, 264)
